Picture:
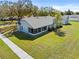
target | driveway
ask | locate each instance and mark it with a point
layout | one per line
(18, 51)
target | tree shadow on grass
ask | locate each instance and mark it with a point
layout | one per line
(25, 36)
(60, 33)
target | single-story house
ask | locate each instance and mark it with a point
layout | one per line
(36, 25)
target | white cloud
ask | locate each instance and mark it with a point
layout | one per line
(66, 7)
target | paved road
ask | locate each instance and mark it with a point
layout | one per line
(18, 51)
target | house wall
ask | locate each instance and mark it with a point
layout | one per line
(23, 27)
(18, 27)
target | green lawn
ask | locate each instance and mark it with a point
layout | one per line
(6, 52)
(51, 46)
(1, 22)
(6, 22)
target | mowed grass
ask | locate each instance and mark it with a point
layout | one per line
(7, 22)
(4, 22)
(6, 52)
(51, 46)
(1, 22)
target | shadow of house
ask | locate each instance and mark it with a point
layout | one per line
(26, 36)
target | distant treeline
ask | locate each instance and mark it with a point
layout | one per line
(22, 8)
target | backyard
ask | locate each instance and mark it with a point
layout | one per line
(51, 46)
(6, 52)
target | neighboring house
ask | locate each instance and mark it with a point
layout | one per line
(37, 25)
(68, 18)
(74, 18)
(65, 19)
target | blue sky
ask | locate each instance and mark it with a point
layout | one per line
(57, 4)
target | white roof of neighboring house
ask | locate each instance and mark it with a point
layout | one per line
(37, 22)
(73, 17)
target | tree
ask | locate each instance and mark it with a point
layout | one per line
(58, 19)
(62, 13)
(77, 13)
(21, 7)
(69, 12)
(43, 11)
(34, 11)
(4, 9)
(7, 9)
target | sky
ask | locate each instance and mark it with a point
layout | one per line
(57, 4)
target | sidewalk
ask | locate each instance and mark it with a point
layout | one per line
(18, 51)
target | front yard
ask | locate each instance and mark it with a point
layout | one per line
(51, 46)
(6, 52)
